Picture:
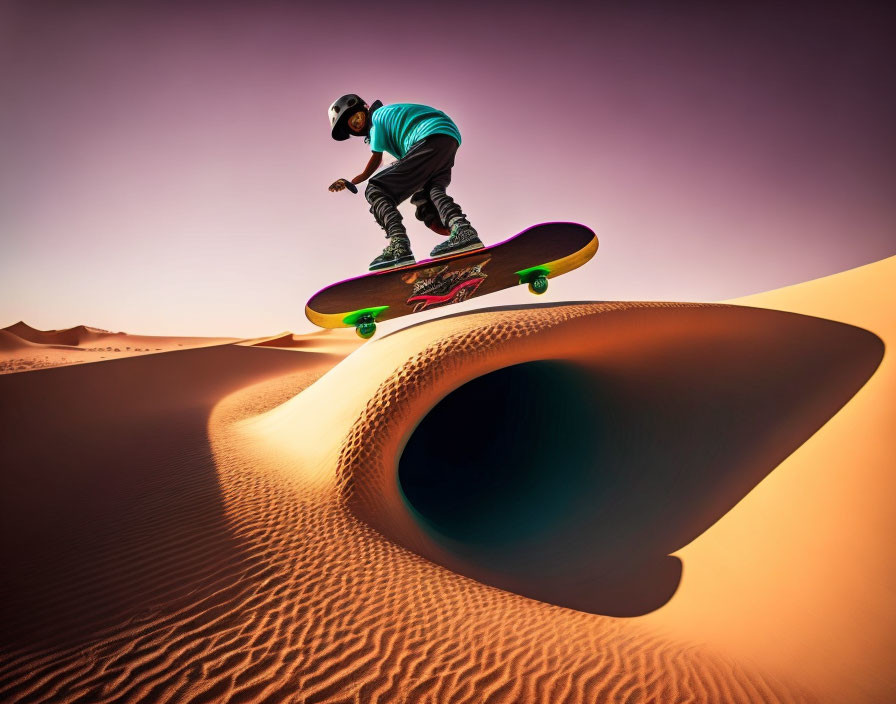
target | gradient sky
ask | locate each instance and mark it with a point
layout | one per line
(164, 167)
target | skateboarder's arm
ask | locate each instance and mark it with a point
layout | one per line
(375, 160)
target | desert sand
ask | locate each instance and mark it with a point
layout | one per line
(340, 341)
(633, 502)
(23, 348)
(800, 575)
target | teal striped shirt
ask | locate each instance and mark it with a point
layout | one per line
(395, 128)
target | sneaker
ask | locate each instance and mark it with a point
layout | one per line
(463, 239)
(397, 253)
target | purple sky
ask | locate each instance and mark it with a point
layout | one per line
(164, 167)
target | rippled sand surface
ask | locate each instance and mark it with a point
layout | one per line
(241, 523)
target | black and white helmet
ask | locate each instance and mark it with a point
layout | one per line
(341, 110)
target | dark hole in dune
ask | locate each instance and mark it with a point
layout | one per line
(573, 480)
(481, 466)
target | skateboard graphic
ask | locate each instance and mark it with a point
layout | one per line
(531, 257)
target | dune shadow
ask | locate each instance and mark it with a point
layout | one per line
(110, 504)
(571, 480)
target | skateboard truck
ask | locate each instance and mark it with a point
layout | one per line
(536, 277)
(364, 320)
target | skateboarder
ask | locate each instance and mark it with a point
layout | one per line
(424, 141)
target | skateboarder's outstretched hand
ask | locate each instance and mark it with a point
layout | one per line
(338, 185)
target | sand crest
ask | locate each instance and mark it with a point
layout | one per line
(339, 341)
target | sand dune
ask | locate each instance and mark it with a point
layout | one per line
(341, 341)
(110, 495)
(73, 337)
(10, 342)
(800, 575)
(24, 348)
(462, 511)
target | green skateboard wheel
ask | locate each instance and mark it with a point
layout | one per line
(365, 327)
(366, 330)
(539, 286)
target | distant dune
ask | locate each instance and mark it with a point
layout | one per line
(10, 342)
(73, 337)
(24, 348)
(591, 502)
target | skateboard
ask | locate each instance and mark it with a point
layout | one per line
(531, 257)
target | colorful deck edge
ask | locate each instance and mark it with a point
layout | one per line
(342, 320)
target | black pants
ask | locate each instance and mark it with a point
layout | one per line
(422, 174)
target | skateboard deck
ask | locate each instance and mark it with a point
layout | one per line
(531, 257)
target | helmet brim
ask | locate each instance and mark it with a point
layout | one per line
(340, 131)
